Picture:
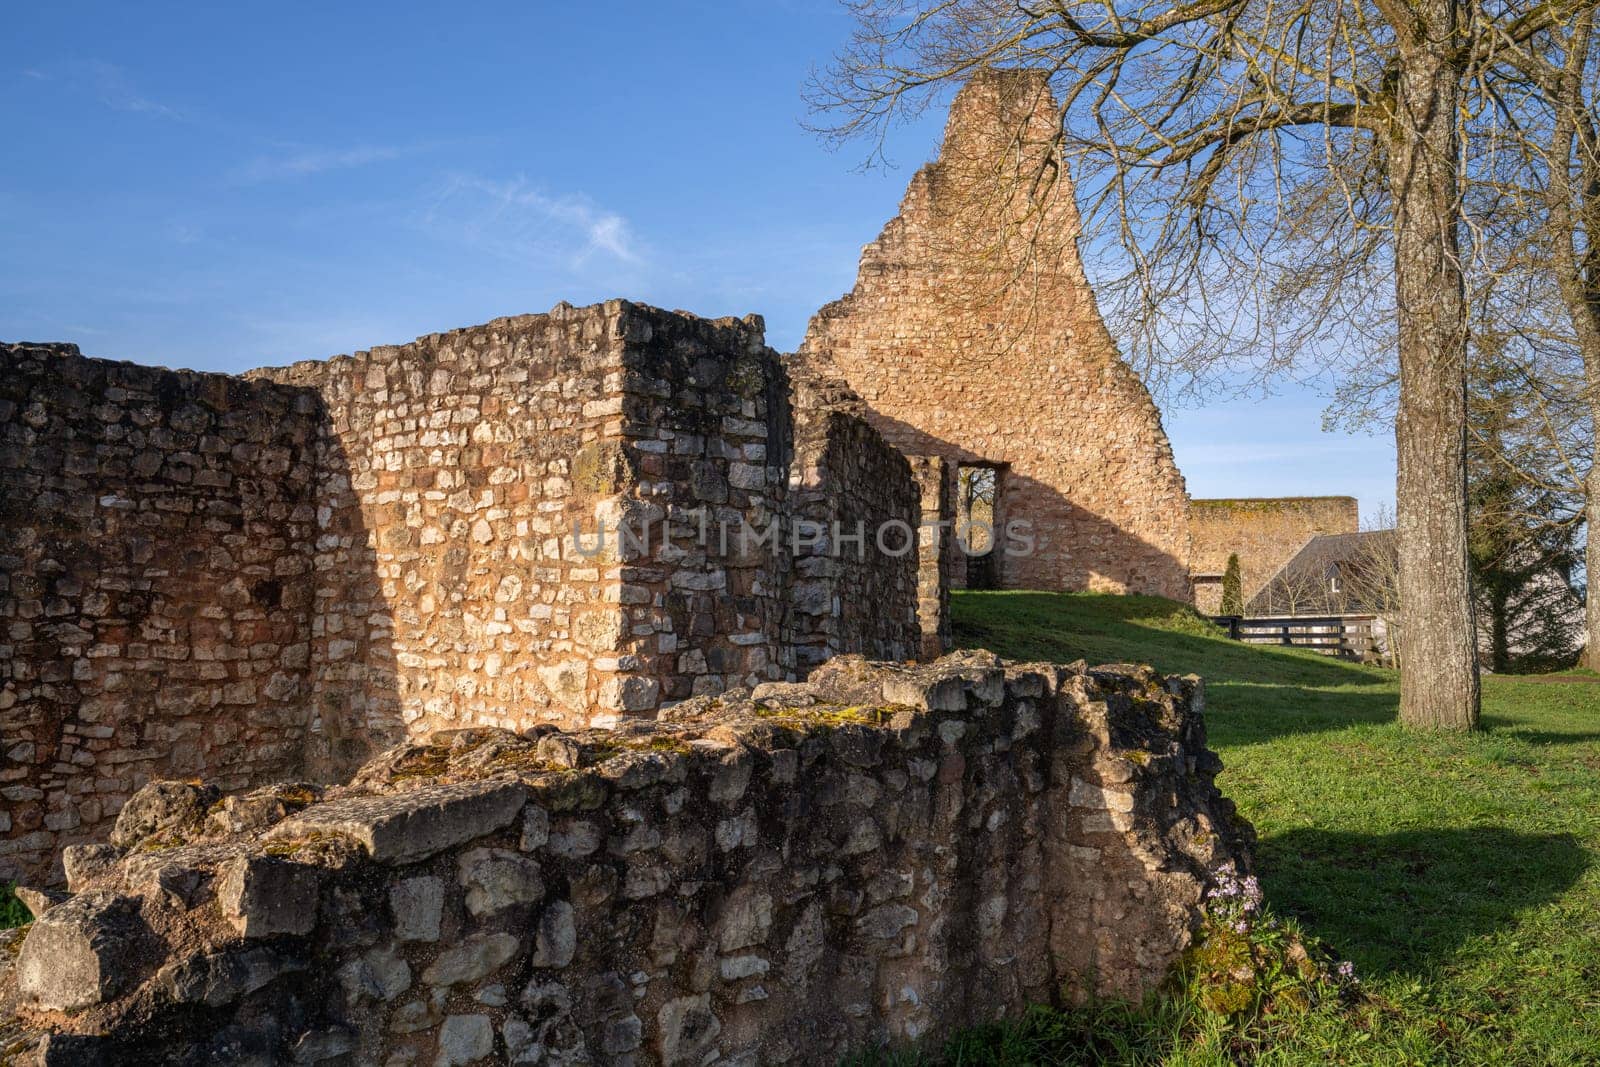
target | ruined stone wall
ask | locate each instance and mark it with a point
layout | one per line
(156, 540)
(708, 433)
(937, 553)
(447, 580)
(957, 357)
(880, 855)
(1265, 533)
(855, 583)
(455, 591)
(281, 574)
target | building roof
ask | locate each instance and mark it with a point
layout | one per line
(1332, 574)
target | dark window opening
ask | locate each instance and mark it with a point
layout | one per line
(978, 524)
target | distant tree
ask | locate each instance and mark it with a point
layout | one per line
(1232, 587)
(1524, 521)
(1540, 199)
(1373, 582)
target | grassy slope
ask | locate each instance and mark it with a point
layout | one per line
(1457, 872)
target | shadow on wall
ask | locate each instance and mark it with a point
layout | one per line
(166, 569)
(1075, 549)
(353, 685)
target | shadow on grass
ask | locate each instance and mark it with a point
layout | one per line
(1511, 728)
(1255, 692)
(1405, 902)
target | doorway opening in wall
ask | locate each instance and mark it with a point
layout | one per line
(978, 521)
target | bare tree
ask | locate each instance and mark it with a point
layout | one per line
(1211, 140)
(1547, 168)
(1532, 201)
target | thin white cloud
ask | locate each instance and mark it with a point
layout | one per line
(516, 220)
(107, 82)
(300, 162)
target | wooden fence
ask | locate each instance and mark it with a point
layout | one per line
(1350, 636)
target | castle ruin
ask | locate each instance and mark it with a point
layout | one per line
(542, 690)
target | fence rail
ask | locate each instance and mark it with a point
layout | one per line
(1350, 636)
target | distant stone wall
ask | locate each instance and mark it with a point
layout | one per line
(1265, 533)
(156, 588)
(972, 335)
(879, 855)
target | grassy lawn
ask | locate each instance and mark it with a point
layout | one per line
(1458, 873)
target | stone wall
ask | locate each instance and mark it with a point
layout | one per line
(956, 358)
(279, 575)
(881, 855)
(937, 553)
(855, 588)
(156, 546)
(1265, 533)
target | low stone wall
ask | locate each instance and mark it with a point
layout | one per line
(882, 854)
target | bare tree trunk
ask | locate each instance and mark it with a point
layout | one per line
(1575, 211)
(1439, 684)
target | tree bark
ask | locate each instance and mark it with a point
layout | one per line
(1439, 682)
(1575, 226)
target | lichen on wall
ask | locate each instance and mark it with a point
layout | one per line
(881, 854)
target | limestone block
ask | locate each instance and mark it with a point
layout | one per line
(263, 896)
(556, 941)
(417, 905)
(464, 1039)
(222, 977)
(475, 958)
(81, 952)
(496, 879)
(410, 826)
(170, 807)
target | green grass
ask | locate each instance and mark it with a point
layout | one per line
(1458, 872)
(12, 911)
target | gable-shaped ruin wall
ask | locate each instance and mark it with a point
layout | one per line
(972, 334)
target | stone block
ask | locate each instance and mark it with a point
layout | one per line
(173, 808)
(222, 977)
(263, 896)
(476, 957)
(417, 905)
(464, 1039)
(496, 879)
(410, 826)
(82, 952)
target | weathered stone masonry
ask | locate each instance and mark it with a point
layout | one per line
(958, 358)
(278, 575)
(156, 538)
(881, 854)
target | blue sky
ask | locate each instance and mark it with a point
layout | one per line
(234, 185)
